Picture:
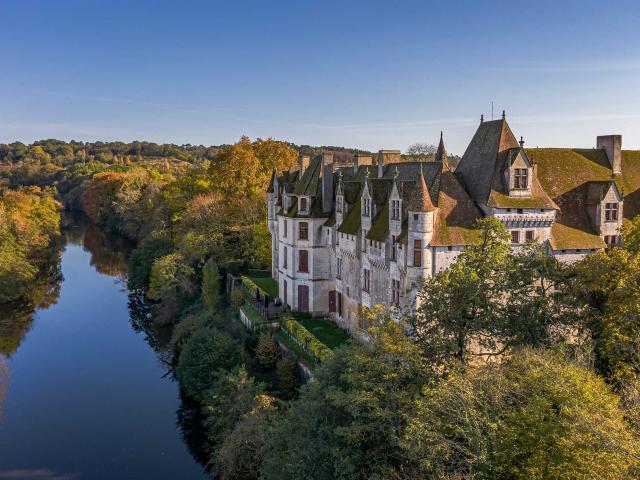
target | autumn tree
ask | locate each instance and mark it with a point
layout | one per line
(534, 416)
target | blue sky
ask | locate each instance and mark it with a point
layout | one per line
(374, 74)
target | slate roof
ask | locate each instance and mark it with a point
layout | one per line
(482, 167)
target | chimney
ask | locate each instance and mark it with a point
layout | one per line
(612, 146)
(303, 164)
(360, 159)
(385, 157)
(327, 182)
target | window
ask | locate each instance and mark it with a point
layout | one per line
(395, 291)
(393, 247)
(339, 298)
(284, 234)
(366, 280)
(284, 258)
(395, 209)
(611, 212)
(530, 235)
(610, 240)
(339, 267)
(520, 178)
(303, 204)
(339, 204)
(303, 261)
(417, 253)
(367, 207)
(415, 217)
(285, 291)
(519, 210)
(515, 236)
(303, 231)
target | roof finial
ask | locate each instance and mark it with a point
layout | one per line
(521, 142)
(396, 172)
(440, 134)
(481, 118)
(503, 114)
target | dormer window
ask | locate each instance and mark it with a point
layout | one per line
(395, 209)
(521, 178)
(611, 212)
(367, 207)
(303, 204)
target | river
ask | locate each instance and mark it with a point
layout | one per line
(85, 390)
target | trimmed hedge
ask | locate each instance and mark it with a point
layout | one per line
(251, 285)
(305, 339)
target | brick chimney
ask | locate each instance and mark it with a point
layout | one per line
(303, 164)
(327, 182)
(361, 159)
(612, 146)
(385, 157)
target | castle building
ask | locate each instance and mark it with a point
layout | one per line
(353, 235)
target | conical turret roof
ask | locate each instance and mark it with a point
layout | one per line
(420, 200)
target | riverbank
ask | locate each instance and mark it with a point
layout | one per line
(88, 395)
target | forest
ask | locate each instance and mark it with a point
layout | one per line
(515, 366)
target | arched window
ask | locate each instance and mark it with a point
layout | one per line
(303, 204)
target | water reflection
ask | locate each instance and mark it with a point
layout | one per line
(77, 350)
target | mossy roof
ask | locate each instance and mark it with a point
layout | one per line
(573, 178)
(380, 227)
(456, 214)
(351, 223)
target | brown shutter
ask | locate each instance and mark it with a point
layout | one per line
(332, 301)
(304, 261)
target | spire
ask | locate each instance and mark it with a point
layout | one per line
(420, 201)
(441, 153)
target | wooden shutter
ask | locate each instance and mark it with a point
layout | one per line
(332, 301)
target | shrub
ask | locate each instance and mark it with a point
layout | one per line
(266, 351)
(286, 373)
(207, 351)
(210, 283)
(236, 299)
(306, 339)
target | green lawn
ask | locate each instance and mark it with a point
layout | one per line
(263, 280)
(325, 330)
(253, 314)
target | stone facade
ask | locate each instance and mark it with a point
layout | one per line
(345, 237)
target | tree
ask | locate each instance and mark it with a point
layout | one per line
(348, 422)
(286, 374)
(460, 312)
(421, 151)
(241, 452)
(230, 396)
(207, 351)
(533, 417)
(266, 351)
(210, 284)
(171, 283)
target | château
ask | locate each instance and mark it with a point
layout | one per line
(348, 235)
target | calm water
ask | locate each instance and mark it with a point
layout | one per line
(86, 397)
